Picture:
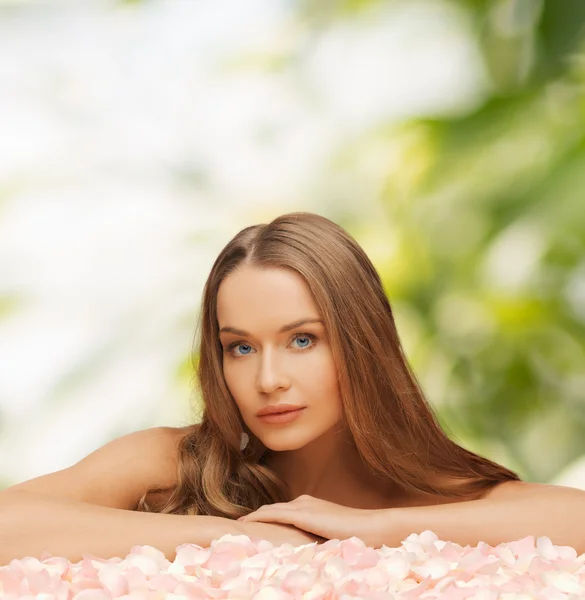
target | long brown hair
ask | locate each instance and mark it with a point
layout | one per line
(393, 427)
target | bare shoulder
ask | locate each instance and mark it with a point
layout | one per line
(167, 440)
(166, 455)
(500, 491)
(511, 489)
(508, 489)
(527, 489)
(118, 473)
(164, 451)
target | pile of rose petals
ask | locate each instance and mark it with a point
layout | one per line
(240, 568)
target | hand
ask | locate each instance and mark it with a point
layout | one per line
(320, 517)
(278, 534)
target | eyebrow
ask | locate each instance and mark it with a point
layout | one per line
(284, 328)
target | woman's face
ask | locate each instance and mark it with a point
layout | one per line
(264, 364)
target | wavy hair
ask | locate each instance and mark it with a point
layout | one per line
(392, 425)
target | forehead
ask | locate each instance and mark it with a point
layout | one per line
(254, 299)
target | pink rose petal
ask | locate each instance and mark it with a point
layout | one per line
(241, 568)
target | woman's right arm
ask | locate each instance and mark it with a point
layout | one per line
(89, 508)
(31, 523)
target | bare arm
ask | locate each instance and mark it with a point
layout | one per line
(515, 511)
(32, 523)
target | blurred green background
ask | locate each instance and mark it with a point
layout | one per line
(473, 212)
(485, 263)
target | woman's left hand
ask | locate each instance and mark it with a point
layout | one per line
(323, 518)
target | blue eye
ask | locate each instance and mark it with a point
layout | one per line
(230, 349)
(304, 337)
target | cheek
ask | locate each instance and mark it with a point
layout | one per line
(322, 363)
(230, 378)
(235, 386)
(320, 374)
(240, 378)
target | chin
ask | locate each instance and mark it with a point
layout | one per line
(283, 445)
(279, 441)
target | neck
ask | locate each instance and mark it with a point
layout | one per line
(330, 468)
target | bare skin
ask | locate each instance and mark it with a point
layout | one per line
(265, 366)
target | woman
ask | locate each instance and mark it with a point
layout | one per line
(294, 319)
(294, 313)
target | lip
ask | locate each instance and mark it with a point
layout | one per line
(277, 408)
(283, 417)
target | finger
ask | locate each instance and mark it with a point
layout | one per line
(265, 507)
(273, 517)
(262, 513)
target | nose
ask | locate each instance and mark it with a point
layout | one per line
(271, 375)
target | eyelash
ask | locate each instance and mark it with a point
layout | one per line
(312, 337)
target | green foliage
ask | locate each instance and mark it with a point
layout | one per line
(494, 220)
